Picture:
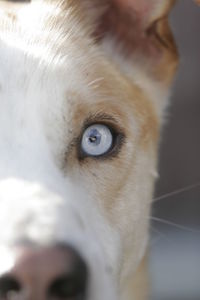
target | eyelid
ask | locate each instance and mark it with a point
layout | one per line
(104, 119)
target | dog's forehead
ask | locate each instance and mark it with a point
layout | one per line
(40, 34)
(51, 63)
(43, 67)
(40, 44)
(36, 67)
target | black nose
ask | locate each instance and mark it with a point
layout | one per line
(50, 273)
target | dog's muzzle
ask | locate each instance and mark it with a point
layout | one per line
(51, 245)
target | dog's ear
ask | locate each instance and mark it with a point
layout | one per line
(137, 29)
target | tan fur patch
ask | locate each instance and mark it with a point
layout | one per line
(101, 89)
(139, 283)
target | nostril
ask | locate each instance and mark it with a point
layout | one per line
(53, 273)
(8, 285)
(67, 287)
(73, 284)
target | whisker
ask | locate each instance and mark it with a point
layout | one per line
(96, 81)
(159, 234)
(154, 230)
(177, 192)
(174, 225)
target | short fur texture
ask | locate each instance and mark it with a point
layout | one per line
(63, 66)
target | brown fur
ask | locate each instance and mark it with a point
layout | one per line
(129, 58)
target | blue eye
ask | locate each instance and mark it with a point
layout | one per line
(97, 140)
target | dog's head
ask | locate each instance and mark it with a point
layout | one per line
(83, 87)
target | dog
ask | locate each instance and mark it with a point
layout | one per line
(84, 85)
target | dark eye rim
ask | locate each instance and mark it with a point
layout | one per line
(113, 151)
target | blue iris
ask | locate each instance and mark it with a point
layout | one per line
(96, 140)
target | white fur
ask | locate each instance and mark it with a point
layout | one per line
(37, 201)
(44, 77)
(29, 172)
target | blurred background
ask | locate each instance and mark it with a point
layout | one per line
(175, 249)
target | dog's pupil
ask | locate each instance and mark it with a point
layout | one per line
(94, 137)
